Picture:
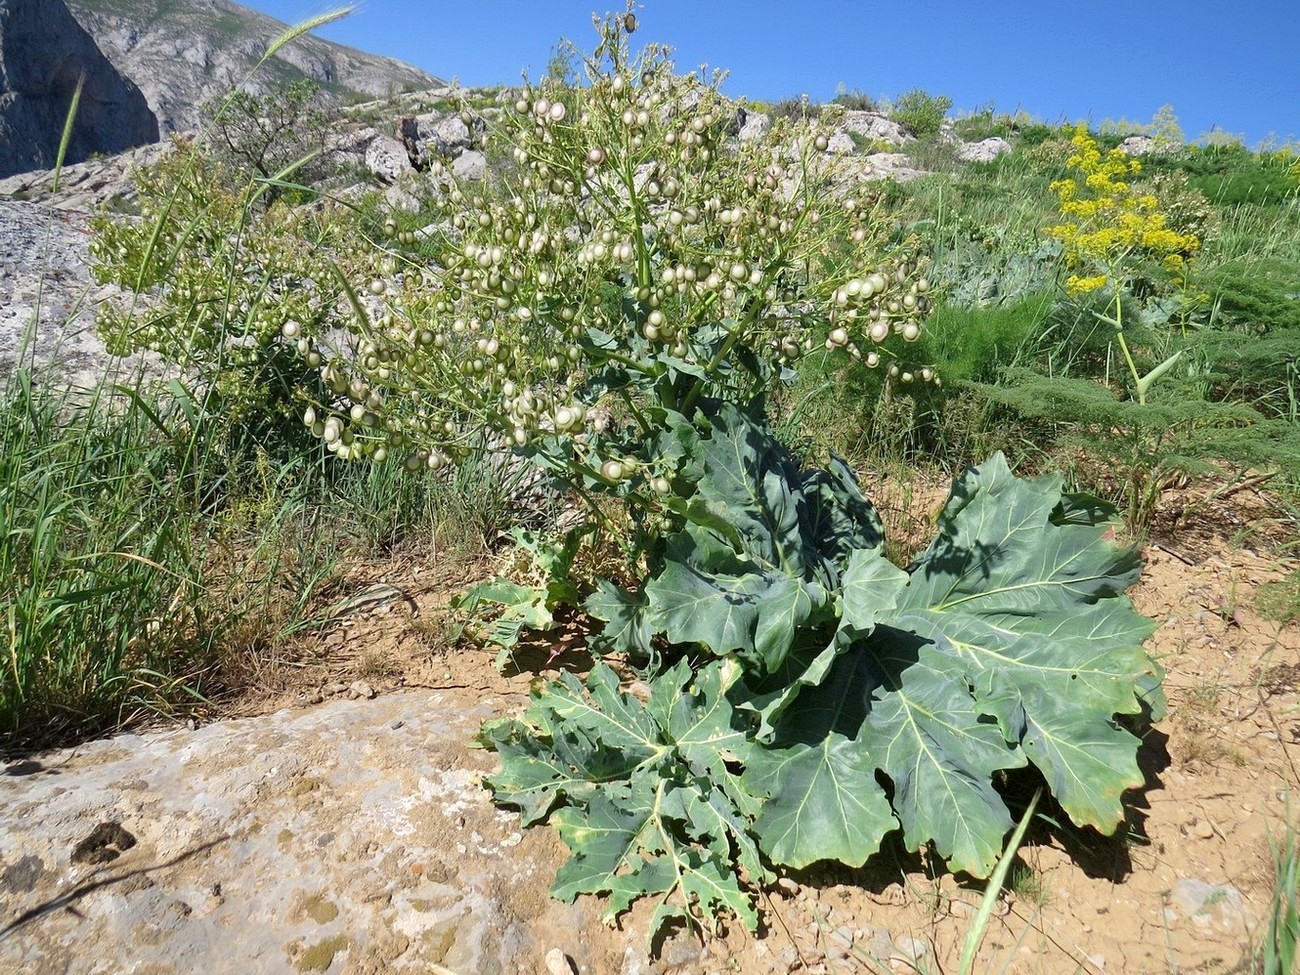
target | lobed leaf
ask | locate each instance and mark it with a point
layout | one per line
(648, 802)
(1009, 644)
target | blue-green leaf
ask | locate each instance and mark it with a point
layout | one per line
(1010, 643)
(627, 629)
(839, 518)
(707, 594)
(649, 803)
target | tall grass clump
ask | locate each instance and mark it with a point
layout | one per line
(103, 589)
(155, 537)
(1278, 953)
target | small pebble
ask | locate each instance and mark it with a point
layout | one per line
(558, 963)
(360, 689)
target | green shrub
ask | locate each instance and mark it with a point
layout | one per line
(795, 109)
(984, 124)
(1231, 175)
(975, 344)
(1139, 447)
(265, 135)
(233, 294)
(920, 112)
(1256, 297)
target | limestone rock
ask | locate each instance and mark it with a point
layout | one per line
(873, 125)
(1208, 905)
(85, 186)
(183, 55)
(986, 150)
(1137, 145)
(840, 144)
(344, 833)
(47, 317)
(397, 197)
(387, 159)
(888, 165)
(755, 126)
(44, 53)
(451, 133)
(471, 165)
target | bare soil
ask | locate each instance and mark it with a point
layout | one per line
(1184, 888)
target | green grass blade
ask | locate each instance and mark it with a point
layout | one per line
(975, 935)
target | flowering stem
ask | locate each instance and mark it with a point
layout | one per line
(1118, 322)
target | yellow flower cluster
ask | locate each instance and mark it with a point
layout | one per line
(1076, 285)
(1107, 222)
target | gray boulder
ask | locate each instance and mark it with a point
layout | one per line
(986, 150)
(840, 144)
(873, 125)
(1137, 145)
(44, 52)
(84, 187)
(387, 159)
(398, 197)
(450, 134)
(470, 165)
(754, 126)
(895, 166)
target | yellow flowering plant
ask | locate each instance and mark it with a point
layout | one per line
(1109, 230)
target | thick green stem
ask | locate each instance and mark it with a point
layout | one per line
(1118, 322)
(637, 415)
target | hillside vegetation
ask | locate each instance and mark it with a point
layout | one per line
(655, 354)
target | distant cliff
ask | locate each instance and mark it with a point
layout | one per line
(183, 54)
(44, 52)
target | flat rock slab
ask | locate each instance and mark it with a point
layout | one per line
(351, 837)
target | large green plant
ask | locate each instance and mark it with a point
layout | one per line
(615, 310)
(825, 698)
(632, 260)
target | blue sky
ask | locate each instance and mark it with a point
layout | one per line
(1230, 66)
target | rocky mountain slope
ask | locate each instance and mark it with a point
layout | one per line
(44, 54)
(183, 54)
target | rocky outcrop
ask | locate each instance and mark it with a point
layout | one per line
(184, 55)
(47, 318)
(84, 187)
(986, 150)
(873, 126)
(354, 836)
(44, 53)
